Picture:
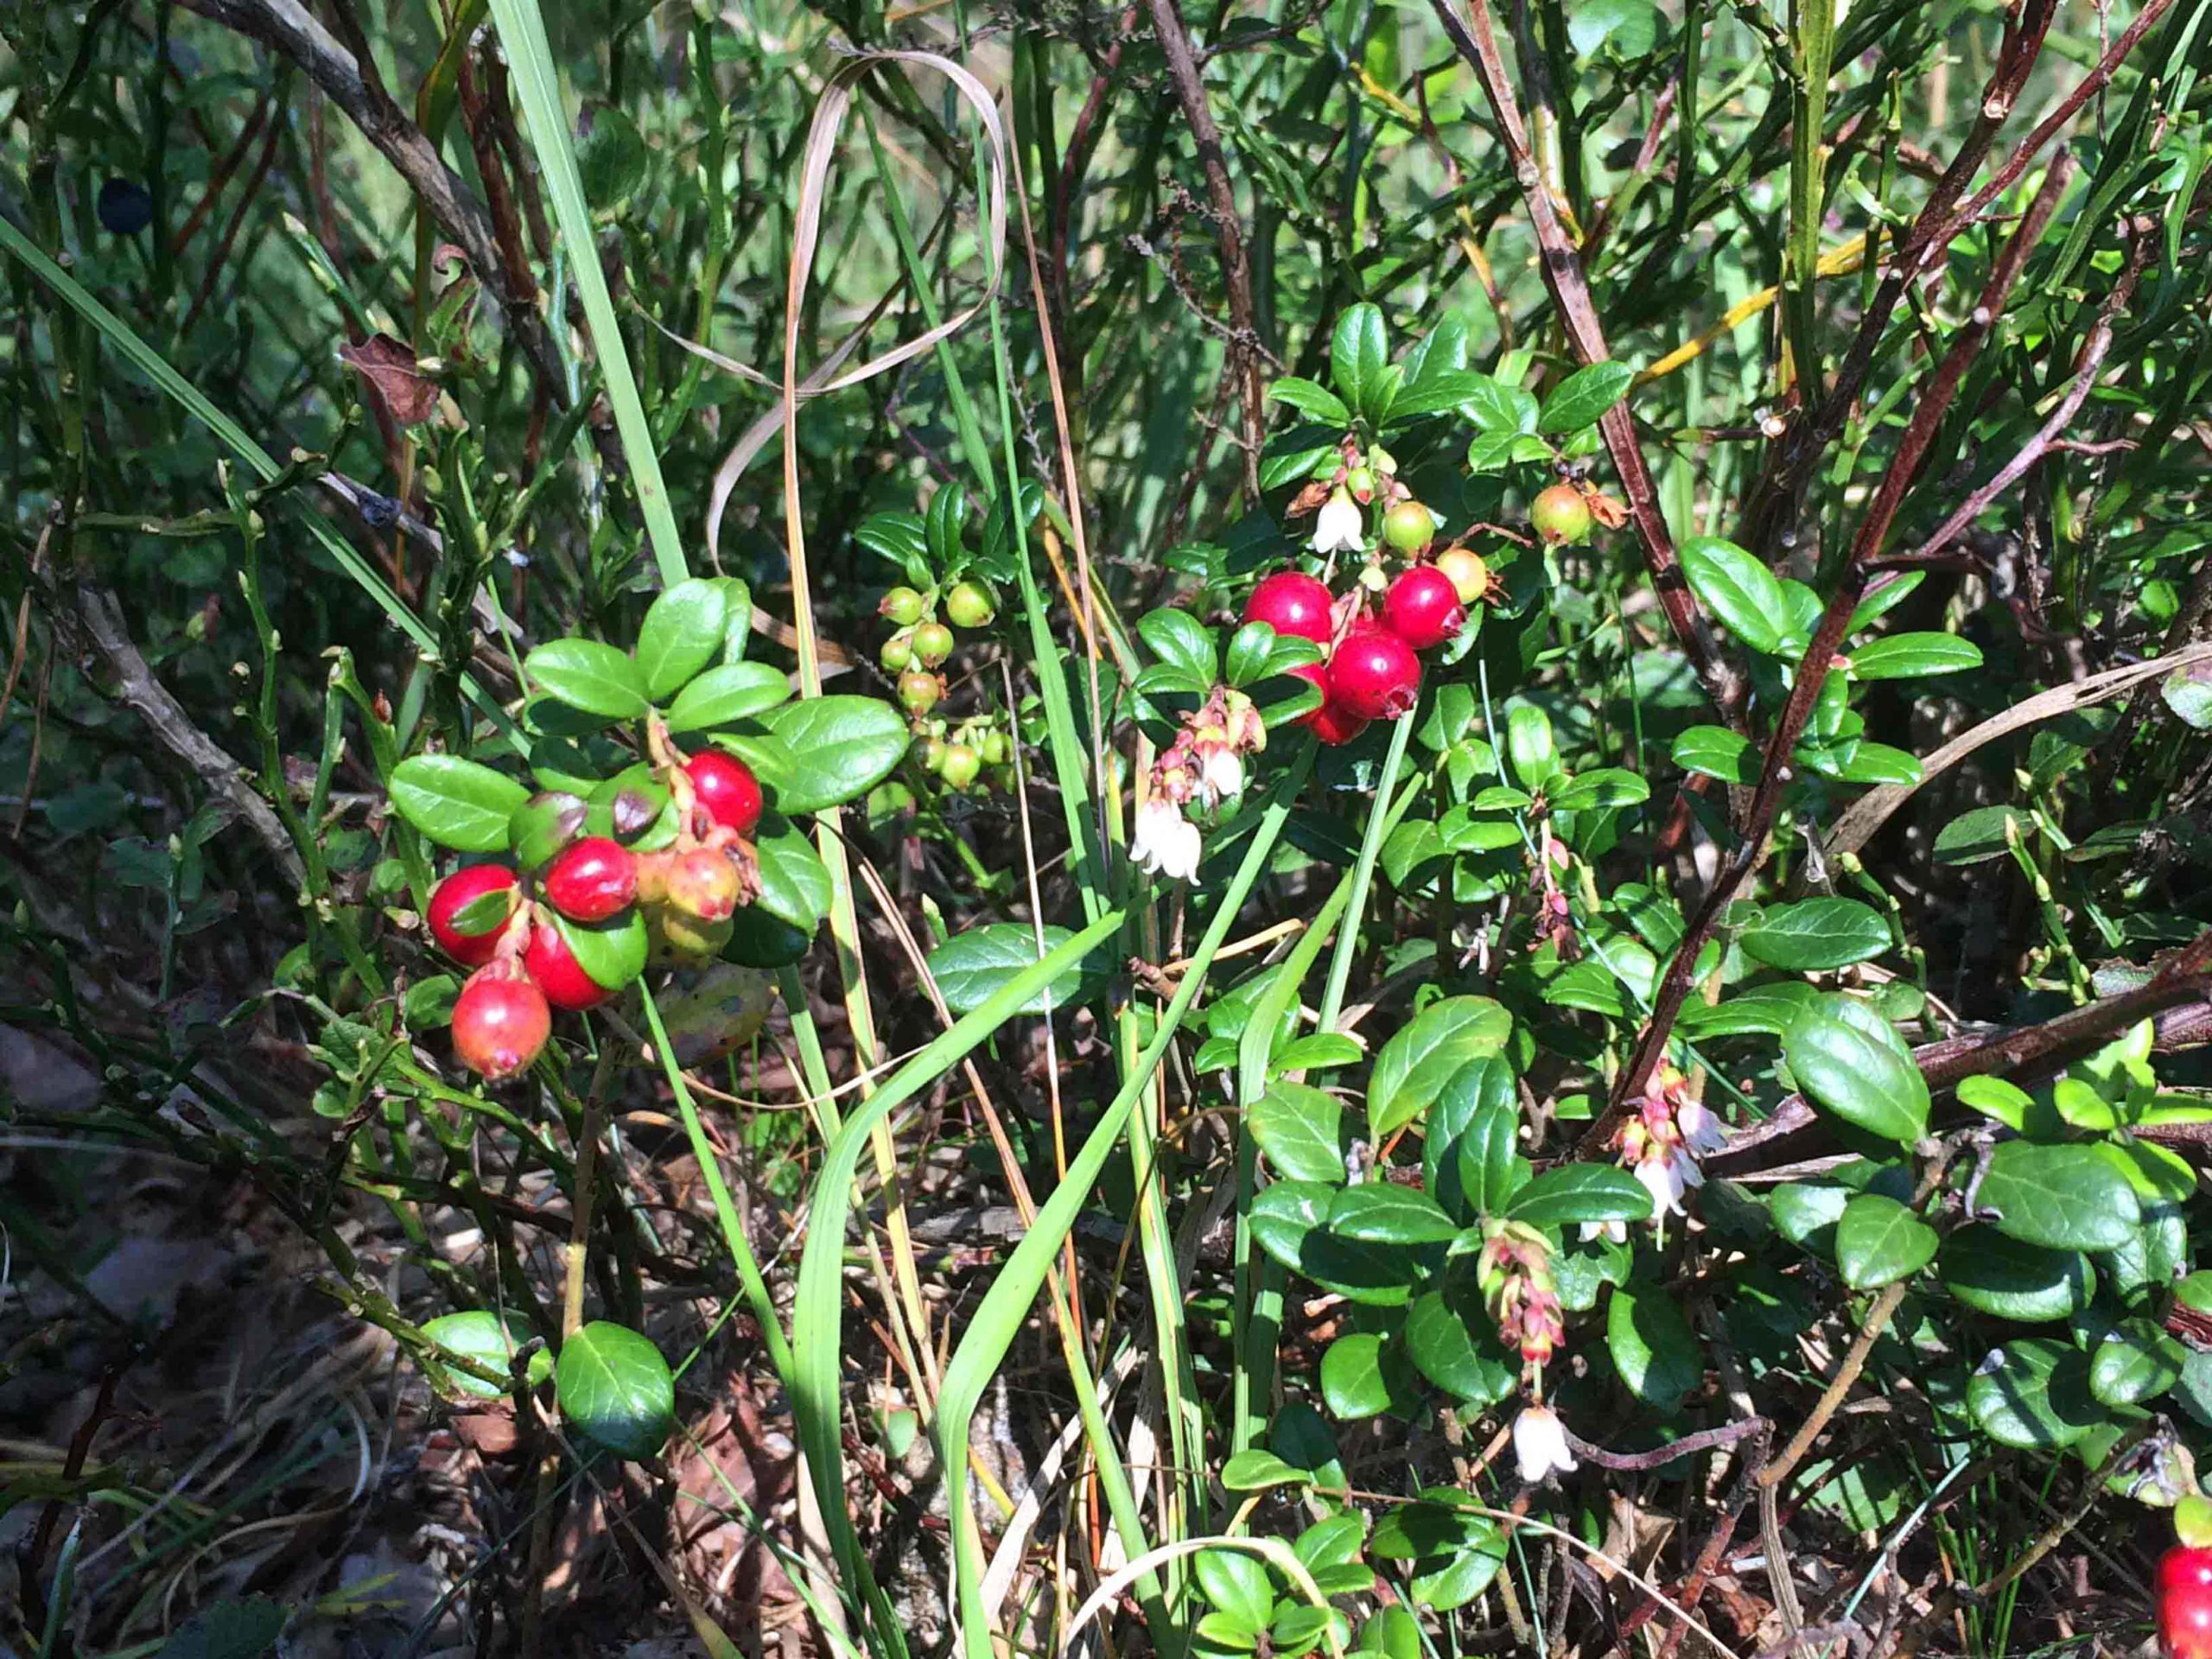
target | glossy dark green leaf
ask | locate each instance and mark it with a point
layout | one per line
(1976, 836)
(1579, 400)
(1300, 1130)
(1808, 1212)
(724, 695)
(1181, 642)
(615, 1389)
(456, 803)
(589, 675)
(2060, 1198)
(1849, 1061)
(839, 747)
(1531, 747)
(1236, 1582)
(1443, 1585)
(794, 885)
(969, 966)
(1878, 1240)
(1908, 656)
(1359, 361)
(541, 826)
(1284, 1213)
(1358, 1378)
(1739, 590)
(1719, 753)
(484, 1337)
(681, 633)
(2137, 1362)
(2033, 1393)
(244, 1628)
(1815, 935)
(611, 952)
(1652, 1347)
(1383, 1212)
(1310, 397)
(1454, 1344)
(1257, 1469)
(1417, 1062)
(1574, 1194)
(1598, 789)
(2006, 1280)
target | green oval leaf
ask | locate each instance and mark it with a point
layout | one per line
(1585, 396)
(2034, 1393)
(456, 803)
(1458, 1351)
(2007, 1279)
(724, 695)
(1908, 656)
(1878, 1240)
(2061, 1198)
(681, 634)
(1575, 1193)
(489, 1340)
(1849, 1061)
(615, 1389)
(840, 748)
(794, 885)
(1739, 590)
(1414, 1065)
(1815, 935)
(2138, 1362)
(1652, 1347)
(971, 967)
(589, 675)
(613, 951)
(1383, 1212)
(1357, 1380)
(1301, 1131)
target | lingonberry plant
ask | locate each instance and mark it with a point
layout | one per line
(1311, 830)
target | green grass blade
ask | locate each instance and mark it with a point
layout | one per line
(1005, 1306)
(538, 83)
(817, 1313)
(156, 368)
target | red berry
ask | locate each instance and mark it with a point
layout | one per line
(2185, 1603)
(501, 1023)
(1561, 516)
(1423, 608)
(454, 894)
(1292, 602)
(557, 972)
(592, 879)
(1329, 722)
(1373, 674)
(727, 788)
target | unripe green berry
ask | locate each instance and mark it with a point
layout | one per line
(961, 766)
(1409, 526)
(997, 751)
(1561, 517)
(919, 690)
(1360, 481)
(898, 653)
(903, 606)
(933, 750)
(969, 605)
(932, 644)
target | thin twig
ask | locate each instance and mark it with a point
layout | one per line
(1570, 290)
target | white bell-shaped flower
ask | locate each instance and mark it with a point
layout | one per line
(1540, 1444)
(1165, 843)
(1341, 527)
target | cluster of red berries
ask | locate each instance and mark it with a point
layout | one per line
(1370, 671)
(483, 918)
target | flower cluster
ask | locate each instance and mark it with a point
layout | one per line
(1515, 1272)
(1662, 1141)
(1203, 767)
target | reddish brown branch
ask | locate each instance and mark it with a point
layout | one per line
(1244, 354)
(1570, 291)
(1776, 772)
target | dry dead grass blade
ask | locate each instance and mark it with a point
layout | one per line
(1872, 809)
